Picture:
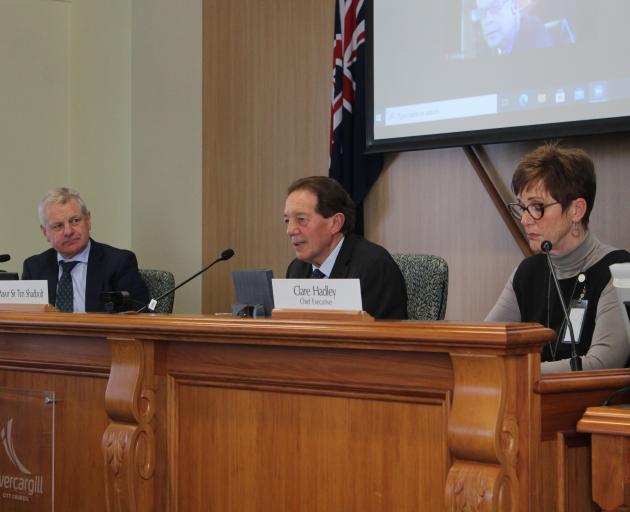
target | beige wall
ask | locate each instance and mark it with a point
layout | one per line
(66, 87)
(34, 128)
(166, 141)
(99, 114)
(105, 96)
(66, 120)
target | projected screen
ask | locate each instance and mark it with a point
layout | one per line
(458, 72)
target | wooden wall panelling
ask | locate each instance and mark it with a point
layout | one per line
(266, 94)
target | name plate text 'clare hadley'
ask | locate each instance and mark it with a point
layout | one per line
(336, 294)
(24, 292)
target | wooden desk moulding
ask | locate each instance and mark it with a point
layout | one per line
(196, 413)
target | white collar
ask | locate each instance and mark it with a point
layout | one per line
(327, 267)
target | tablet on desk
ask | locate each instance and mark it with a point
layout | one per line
(253, 292)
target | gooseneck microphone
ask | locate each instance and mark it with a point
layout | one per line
(576, 362)
(225, 255)
(4, 257)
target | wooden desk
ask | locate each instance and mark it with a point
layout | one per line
(566, 454)
(193, 413)
(610, 443)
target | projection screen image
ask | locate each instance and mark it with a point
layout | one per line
(448, 69)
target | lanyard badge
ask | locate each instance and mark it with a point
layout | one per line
(577, 311)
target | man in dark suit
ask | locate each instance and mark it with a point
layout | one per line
(320, 215)
(77, 268)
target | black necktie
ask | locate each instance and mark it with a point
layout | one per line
(65, 292)
(317, 274)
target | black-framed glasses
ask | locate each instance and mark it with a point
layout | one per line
(535, 210)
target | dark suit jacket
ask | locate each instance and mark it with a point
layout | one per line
(383, 290)
(108, 269)
(532, 34)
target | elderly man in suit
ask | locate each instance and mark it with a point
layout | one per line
(319, 215)
(76, 267)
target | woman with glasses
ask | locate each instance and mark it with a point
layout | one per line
(555, 191)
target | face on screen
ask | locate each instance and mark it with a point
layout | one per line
(499, 23)
(67, 228)
(312, 236)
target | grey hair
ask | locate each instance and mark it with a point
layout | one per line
(60, 195)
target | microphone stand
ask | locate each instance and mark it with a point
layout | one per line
(576, 362)
(225, 255)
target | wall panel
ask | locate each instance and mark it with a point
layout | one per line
(266, 83)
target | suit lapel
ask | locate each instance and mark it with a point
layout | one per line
(303, 270)
(94, 277)
(52, 275)
(342, 263)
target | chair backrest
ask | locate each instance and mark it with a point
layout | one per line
(426, 277)
(159, 282)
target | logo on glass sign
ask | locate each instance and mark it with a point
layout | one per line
(20, 488)
(7, 442)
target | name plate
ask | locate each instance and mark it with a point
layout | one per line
(338, 294)
(24, 292)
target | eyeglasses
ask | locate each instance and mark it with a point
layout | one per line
(493, 9)
(73, 222)
(535, 210)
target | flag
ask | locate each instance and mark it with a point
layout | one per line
(349, 165)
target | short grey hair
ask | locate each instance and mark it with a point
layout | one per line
(59, 195)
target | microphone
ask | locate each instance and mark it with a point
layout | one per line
(4, 257)
(225, 255)
(576, 362)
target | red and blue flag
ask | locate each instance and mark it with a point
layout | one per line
(349, 164)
